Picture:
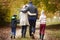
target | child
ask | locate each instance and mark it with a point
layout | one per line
(13, 26)
(42, 24)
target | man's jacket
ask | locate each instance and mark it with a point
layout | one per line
(33, 10)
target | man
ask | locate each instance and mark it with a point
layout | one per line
(32, 16)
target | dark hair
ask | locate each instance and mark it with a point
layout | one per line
(30, 1)
(14, 15)
(25, 5)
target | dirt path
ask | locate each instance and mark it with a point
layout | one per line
(5, 34)
(37, 35)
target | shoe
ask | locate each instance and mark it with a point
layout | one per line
(11, 37)
(24, 36)
(14, 37)
(33, 36)
(40, 35)
(21, 36)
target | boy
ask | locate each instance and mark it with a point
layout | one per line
(13, 26)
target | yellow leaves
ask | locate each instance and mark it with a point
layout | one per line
(50, 15)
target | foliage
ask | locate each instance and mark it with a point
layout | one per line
(10, 7)
(4, 11)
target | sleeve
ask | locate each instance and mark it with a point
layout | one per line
(25, 10)
(40, 18)
(36, 13)
(45, 19)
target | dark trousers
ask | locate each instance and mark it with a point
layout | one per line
(24, 28)
(13, 30)
(32, 27)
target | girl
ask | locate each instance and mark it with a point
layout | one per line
(42, 24)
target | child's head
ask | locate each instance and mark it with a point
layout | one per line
(14, 16)
(42, 12)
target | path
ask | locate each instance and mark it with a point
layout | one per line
(36, 34)
(5, 34)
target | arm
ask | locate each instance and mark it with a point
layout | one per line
(40, 18)
(36, 13)
(31, 14)
(25, 9)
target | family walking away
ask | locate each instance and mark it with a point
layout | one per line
(28, 16)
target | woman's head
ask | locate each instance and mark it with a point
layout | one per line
(24, 6)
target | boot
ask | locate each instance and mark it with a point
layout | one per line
(11, 37)
(42, 37)
(33, 36)
(14, 37)
(22, 36)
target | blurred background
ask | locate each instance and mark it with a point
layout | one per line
(10, 7)
(52, 11)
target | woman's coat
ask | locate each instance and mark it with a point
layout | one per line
(23, 18)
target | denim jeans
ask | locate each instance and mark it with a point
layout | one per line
(32, 26)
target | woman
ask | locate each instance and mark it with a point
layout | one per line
(24, 20)
(42, 24)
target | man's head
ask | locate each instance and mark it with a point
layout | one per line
(30, 2)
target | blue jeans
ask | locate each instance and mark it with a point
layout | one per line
(13, 31)
(32, 26)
